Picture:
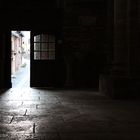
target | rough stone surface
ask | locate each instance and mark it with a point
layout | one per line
(34, 114)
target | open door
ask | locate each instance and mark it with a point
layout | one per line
(43, 59)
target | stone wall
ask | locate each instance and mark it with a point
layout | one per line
(85, 41)
(85, 31)
(125, 71)
(134, 40)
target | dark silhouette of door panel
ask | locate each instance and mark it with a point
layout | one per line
(43, 59)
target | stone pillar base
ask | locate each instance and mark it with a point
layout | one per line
(119, 87)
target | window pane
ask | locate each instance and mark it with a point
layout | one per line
(51, 38)
(44, 46)
(51, 46)
(52, 55)
(37, 46)
(37, 38)
(44, 38)
(37, 55)
(44, 55)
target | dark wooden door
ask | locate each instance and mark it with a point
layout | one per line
(43, 59)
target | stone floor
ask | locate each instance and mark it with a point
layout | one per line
(65, 114)
(39, 114)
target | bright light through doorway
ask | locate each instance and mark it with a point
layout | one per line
(20, 59)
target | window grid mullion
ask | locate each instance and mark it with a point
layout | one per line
(47, 45)
(41, 46)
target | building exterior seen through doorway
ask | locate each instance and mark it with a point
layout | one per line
(20, 58)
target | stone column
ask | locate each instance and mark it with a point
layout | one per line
(121, 38)
(69, 74)
(135, 39)
(1, 61)
(116, 83)
(5, 60)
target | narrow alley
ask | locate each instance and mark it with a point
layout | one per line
(22, 77)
